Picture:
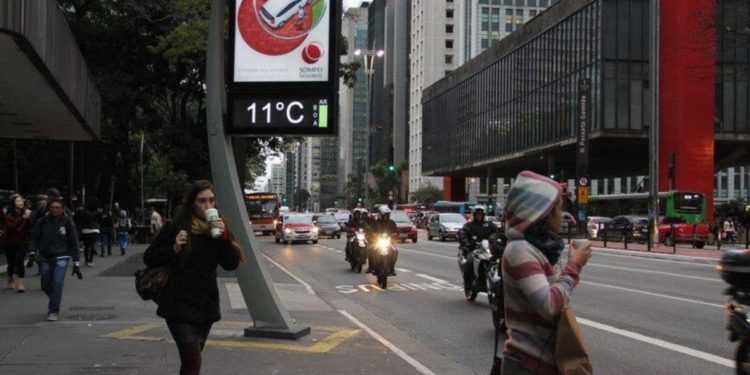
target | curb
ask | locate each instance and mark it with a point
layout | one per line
(642, 254)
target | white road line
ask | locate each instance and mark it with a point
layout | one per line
(653, 294)
(307, 286)
(647, 258)
(418, 366)
(428, 277)
(425, 253)
(655, 272)
(404, 270)
(660, 343)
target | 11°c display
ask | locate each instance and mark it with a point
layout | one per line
(282, 115)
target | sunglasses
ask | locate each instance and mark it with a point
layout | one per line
(203, 200)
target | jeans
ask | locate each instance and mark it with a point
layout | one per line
(107, 239)
(124, 239)
(15, 255)
(53, 280)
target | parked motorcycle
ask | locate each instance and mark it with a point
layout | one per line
(382, 266)
(735, 270)
(358, 250)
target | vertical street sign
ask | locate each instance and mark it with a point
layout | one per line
(583, 115)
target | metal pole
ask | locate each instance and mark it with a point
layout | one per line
(654, 129)
(367, 132)
(143, 199)
(71, 164)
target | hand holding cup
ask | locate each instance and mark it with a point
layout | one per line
(217, 225)
(180, 240)
(580, 251)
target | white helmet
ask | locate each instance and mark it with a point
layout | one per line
(479, 207)
(384, 210)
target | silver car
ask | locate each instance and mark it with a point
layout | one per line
(594, 224)
(445, 226)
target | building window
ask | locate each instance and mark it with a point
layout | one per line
(520, 3)
(531, 3)
(508, 2)
(449, 43)
(449, 13)
(485, 43)
(448, 72)
(532, 13)
(449, 29)
(449, 59)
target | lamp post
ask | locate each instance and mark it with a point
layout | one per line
(369, 58)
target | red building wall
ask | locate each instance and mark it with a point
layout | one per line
(454, 189)
(686, 95)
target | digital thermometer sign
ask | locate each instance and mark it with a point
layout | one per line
(284, 114)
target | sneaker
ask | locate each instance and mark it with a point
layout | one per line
(52, 317)
(393, 273)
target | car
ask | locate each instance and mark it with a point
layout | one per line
(445, 225)
(277, 12)
(327, 226)
(342, 217)
(426, 215)
(593, 225)
(496, 220)
(630, 228)
(293, 228)
(569, 225)
(677, 229)
(406, 229)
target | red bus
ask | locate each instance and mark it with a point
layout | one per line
(263, 210)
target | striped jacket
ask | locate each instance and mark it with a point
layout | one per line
(535, 293)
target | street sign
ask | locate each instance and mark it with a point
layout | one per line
(583, 195)
(583, 181)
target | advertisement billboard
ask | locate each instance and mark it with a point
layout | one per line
(283, 41)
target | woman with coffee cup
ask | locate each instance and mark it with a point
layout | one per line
(535, 290)
(193, 247)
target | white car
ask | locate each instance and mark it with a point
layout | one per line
(277, 12)
(295, 228)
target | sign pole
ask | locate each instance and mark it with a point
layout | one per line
(582, 150)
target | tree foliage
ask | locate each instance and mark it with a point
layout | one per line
(427, 194)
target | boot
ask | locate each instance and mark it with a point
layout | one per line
(21, 285)
(11, 282)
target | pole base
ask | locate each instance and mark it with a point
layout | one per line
(292, 333)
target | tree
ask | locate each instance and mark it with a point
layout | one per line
(386, 181)
(301, 198)
(427, 194)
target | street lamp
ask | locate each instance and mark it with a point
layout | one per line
(369, 58)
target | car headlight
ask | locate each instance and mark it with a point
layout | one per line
(315, 230)
(288, 231)
(275, 222)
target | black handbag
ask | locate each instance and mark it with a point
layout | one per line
(151, 282)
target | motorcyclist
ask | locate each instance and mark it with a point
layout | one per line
(356, 221)
(384, 225)
(481, 229)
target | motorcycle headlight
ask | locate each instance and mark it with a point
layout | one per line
(360, 236)
(288, 231)
(384, 243)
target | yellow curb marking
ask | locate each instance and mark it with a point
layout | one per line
(325, 345)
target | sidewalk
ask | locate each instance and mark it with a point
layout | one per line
(682, 252)
(105, 328)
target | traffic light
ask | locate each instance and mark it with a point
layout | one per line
(335, 203)
(391, 168)
(359, 199)
(552, 176)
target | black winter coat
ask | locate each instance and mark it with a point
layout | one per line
(192, 295)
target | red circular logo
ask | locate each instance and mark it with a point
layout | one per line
(312, 53)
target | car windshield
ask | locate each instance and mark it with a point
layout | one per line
(457, 219)
(341, 217)
(326, 219)
(400, 218)
(259, 209)
(674, 220)
(299, 219)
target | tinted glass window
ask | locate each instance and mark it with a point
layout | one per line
(688, 202)
(326, 219)
(400, 218)
(453, 219)
(299, 220)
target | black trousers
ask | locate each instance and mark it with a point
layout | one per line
(89, 246)
(15, 256)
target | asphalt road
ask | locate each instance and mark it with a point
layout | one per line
(639, 316)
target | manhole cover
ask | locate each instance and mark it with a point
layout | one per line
(94, 317)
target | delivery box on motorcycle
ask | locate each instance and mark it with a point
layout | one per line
(735, 268)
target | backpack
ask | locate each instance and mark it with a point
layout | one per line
(123, 223)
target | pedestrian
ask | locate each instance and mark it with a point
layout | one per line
(57, 241)
(190, 302)
(15, 239)
(536, 291)
(90, 228)
(729, 230)
(156, 221)
(123, 228)
(106, 229)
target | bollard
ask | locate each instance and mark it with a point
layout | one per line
(602, 234)
(695, 227)
(674, 240)
(625, 237)
(747, 236)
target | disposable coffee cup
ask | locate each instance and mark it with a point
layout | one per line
(578, 243)
(211, 215)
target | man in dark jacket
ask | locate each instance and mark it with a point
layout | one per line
(380, 226)
(56, 239)
(481, 229)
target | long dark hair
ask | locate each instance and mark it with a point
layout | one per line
(185, 214)
(11, 209)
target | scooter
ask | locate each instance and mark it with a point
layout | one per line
(358, 250)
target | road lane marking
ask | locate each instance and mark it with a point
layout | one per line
(435, 279)
(418, 366)
(653, 294)
(400, 287)
(655, 272)
(648, 258)
(426, 253)
(307, 286)
(660, 343)
(404, 270)
(224, 334)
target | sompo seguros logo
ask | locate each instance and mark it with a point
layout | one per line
(312, 53)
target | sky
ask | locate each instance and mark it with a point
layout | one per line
(275, 160)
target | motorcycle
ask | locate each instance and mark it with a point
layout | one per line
(734, 269)
(383, 248)
(358, 250)
(486, 277)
